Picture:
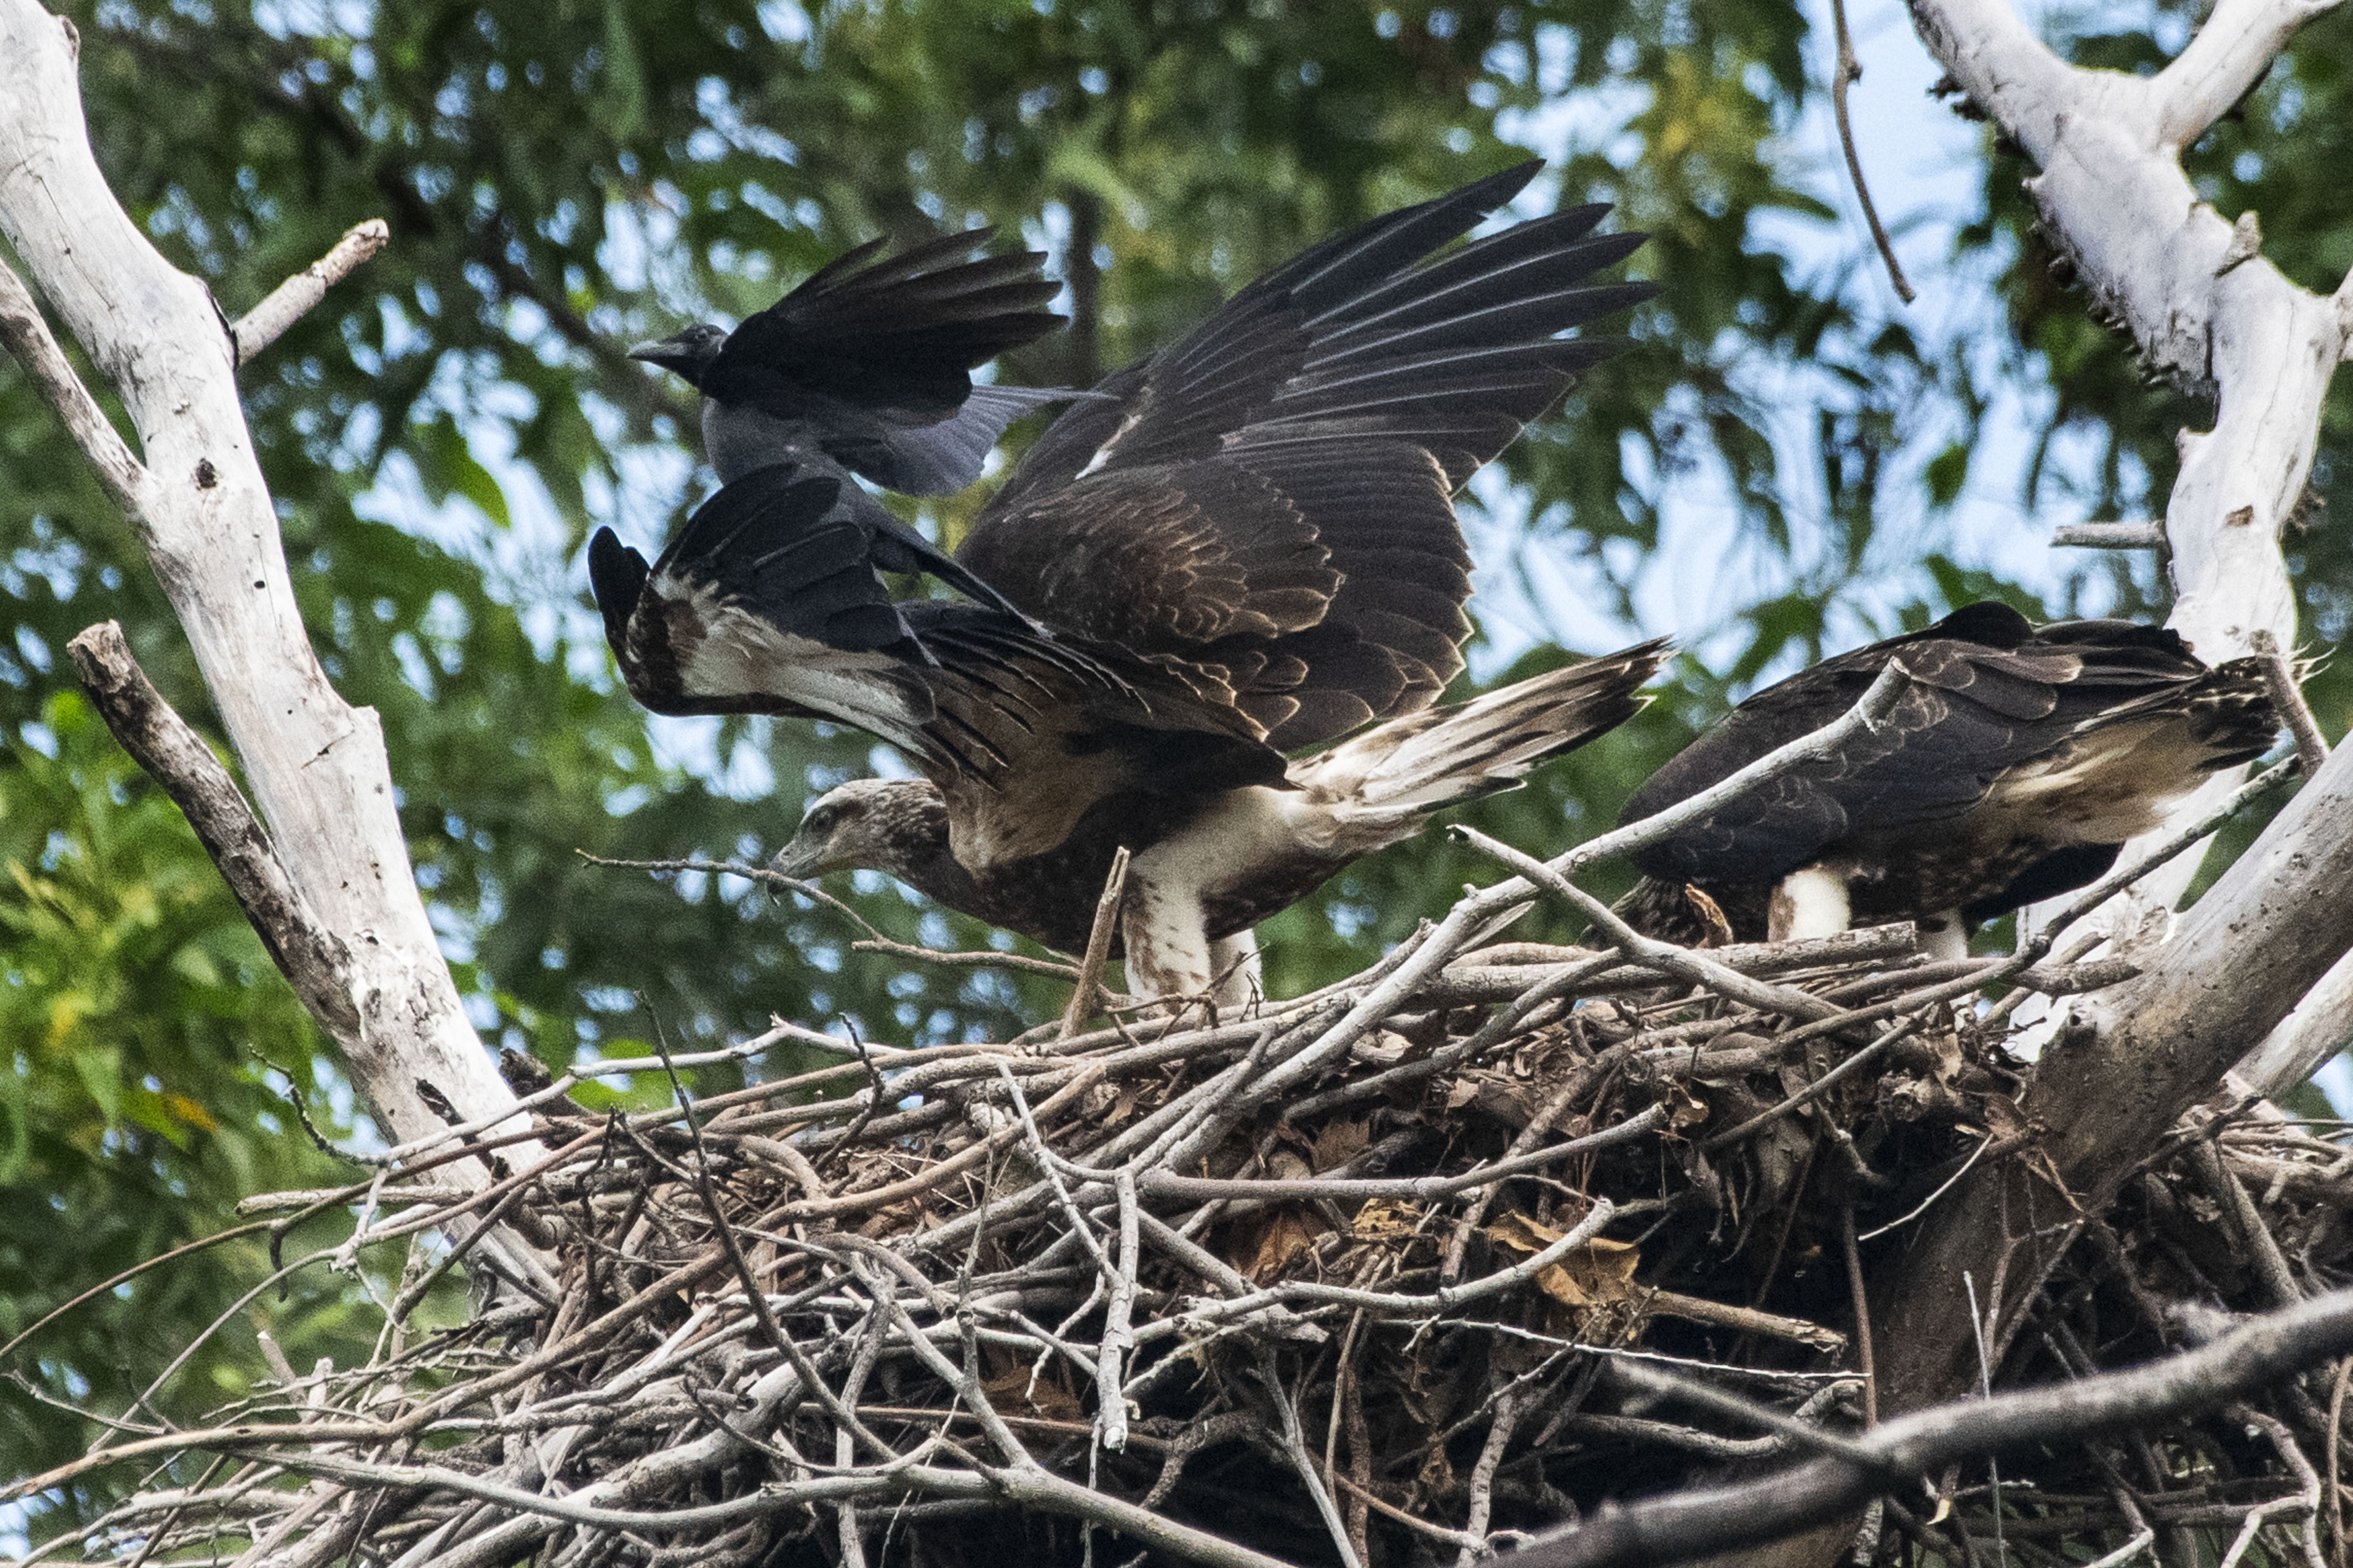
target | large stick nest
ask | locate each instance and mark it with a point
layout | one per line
(1384, 1273)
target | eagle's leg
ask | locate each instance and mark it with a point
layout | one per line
(1809, 902)
(1233, 960)
(1169, 954)
(1944, 937)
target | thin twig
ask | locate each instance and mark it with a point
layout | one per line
(294, 299)
(1118, 1339)
(1294, 1446)
(1483, 1478)
(1098, 953)
(2287, 700)
(1844, 74)
(27, 334)
(1859, 1294)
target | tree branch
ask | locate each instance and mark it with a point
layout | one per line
(2111, 192)
(316, 766)
(2318, 1027)
(2228, 59)
(1845, 71)
(292, 300)
(2259, 939)
(312, 957)
(27, 337)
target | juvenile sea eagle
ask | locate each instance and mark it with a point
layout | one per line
(870, 362)
(1244, 546)
(1252, 852)
(2016, 764)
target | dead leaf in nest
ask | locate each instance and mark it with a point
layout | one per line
(1047, 1394)
(1437, 1478)
(1598, 1274)
(1272, 1240)
(1512, 1101)
(1683, 1107)
(1339, 1142)
(1281, 1164)
(1944, 1038)
(1428, 1394)
(1384, 1219)
(2002, 1119)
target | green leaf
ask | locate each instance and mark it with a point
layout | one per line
(1947, 474)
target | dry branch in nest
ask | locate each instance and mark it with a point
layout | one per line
(1412, 1270)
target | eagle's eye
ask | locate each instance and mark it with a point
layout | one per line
(821, 820)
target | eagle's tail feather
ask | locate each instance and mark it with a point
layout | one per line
(1444, 756)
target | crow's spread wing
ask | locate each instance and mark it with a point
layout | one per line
(902, 332)
(1271, 497)
(870, 360)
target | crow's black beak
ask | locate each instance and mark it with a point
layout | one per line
(672, 353)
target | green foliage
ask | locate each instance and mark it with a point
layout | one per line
(442, 433)
(135, 1003)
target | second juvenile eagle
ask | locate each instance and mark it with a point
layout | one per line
(2017, 762)
(1242, 546)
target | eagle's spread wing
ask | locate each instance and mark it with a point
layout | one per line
(2076, 730)
(1272, 496)
(767, 602)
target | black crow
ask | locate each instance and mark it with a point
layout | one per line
(870, 362)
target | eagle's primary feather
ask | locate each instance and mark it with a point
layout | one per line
(1271, 497)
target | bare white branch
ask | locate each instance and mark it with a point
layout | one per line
(292, 300)
(27, 337)
(2109, 536)
(2320, 1027)
(1695, 1522)
(2225, 62)
(2112, 193)
(316, 765)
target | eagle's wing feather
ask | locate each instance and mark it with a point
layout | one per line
(1992, 704)
(1272, 496)
(767, 602)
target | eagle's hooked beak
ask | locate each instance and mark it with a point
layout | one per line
(802, 859)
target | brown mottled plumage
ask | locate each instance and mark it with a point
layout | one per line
(1246, 854)
(2014, 768)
